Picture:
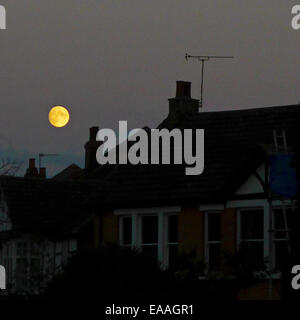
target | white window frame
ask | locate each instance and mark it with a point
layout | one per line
(121, 224)
(206, 241)
(140, 236)
(167, 236)
(137, 213)
(255, 204)
(265, 239)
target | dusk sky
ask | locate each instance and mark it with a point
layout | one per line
(119, 60)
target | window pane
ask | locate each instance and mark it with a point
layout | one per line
(252, 224)
(72, 245)
(150, 251)
(58, 261)
(281, 254)
(127, 230)
(214, 256)
(150, 229)
(173, 229)
(252, 254)
(213, 226)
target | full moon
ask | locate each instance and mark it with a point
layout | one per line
(59, 116)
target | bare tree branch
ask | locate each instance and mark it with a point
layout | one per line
(9, 167)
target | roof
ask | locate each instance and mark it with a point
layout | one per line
(234, 147)
(73, 171)
(45, 205)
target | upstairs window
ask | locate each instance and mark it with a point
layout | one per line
(213, 240)
(126, 232)
(153, 234)
(28, 264)
(150, 235)
(172, 240)
(252, 238)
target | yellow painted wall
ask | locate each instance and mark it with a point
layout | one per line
(191, 231)
(260, 291)
(110, 227)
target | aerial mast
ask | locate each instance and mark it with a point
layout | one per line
(204, 59)
(41, 155)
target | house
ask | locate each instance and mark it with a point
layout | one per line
(42, 223)
(222, 213)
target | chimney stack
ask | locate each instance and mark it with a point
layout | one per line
(182, 104)
(32, 171)
(91, 148)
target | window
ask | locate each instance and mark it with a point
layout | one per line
(281, 244)
(251, 226)
(126, 231)
(58, 255)
(154, 234)
(4, 222)
(72, 245)
(22, 264)
(172, 240)
(28, 264)
(213, 243)
(150, 235)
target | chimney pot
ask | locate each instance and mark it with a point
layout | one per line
(183, 89)
(32, 170)
(93, 133)
(42, 173)
(91, 148)
(31, 163)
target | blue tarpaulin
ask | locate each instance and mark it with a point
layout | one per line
(282, 177)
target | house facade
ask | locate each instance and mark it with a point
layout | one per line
(40, 229)
(228, 215)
